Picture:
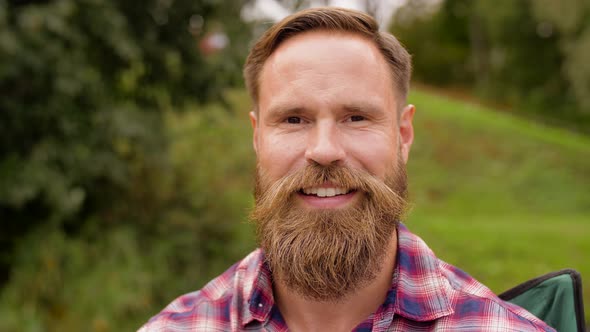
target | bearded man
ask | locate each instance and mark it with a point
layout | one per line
(332, 135)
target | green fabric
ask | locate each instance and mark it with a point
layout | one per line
(552, 301)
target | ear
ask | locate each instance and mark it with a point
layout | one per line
(406, 131)
(254, 122)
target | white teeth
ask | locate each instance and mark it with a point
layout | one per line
(325, 192)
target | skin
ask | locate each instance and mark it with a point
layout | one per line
(327, 97)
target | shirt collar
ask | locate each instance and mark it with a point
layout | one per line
(257, 298)
(418, 284)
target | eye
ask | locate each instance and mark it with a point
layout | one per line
(356, 118)
(293, 120)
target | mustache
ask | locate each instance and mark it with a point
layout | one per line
(313, 175)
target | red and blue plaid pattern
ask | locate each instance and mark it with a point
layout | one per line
(426, 294)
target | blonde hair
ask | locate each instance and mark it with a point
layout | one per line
(330, 19)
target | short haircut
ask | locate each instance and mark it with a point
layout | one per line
(330, 19)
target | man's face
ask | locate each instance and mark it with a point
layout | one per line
(327, 131)
(327, 97)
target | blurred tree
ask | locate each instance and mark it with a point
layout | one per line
(96, 215)
(525, 62)
(85, 85)
(437, 40)
(570, 21)
(528, 53)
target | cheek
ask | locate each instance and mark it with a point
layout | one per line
(279, 154)
(375, 153)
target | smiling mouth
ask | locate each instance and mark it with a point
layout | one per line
(325, 192)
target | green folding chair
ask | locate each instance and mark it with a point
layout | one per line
(555, 298)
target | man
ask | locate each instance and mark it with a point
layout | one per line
(332, 135)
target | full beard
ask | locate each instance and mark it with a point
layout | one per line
(327, 254)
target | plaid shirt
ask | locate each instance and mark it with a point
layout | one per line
(426, 294)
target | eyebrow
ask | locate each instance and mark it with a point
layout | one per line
(281, 111)
(364, 107)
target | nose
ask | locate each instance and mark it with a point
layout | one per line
(324, 146)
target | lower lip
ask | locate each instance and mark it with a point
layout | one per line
(327, 202)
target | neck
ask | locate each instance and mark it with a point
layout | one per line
(302, 314)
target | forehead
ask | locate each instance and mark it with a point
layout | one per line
(352, 43)
(317, 47)
(329, 62)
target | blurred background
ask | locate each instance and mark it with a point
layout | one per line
(126, 162)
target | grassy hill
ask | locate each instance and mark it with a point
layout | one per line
(503, 198)
(500, 197)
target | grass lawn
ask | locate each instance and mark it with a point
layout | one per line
(501, 197)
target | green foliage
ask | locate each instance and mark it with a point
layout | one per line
(73, 284)
(441, 60)
(95, 211)
(115, 278)
(84, 87)
(529, 54)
